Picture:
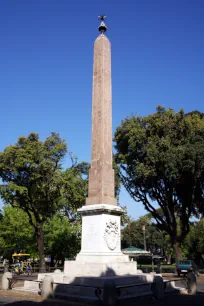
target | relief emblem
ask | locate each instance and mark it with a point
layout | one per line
(111, 234)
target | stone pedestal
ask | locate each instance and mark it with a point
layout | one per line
(100, 245)
(101, 234)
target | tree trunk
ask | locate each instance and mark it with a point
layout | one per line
(168, 253)
(177, 251)
(52, 261)
(40, 245)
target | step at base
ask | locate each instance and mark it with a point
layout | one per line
(25, 290)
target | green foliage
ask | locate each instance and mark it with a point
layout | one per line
(193, 245)
(16, 234)
(161, 162)
(62, 237)
(199, 233)
(31, 176)
(74, 190)
(32, 181)
(133, 235)
(117, 180)
(125, 218)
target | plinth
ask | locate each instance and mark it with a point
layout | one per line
(100, 253)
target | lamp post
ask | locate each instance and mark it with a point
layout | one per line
(144, 229)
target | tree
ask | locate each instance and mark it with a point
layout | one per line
(161, 164)
(125, 218)
(75, 189)
(199, 232)
(117, 182)
(193, 245)
(133, 235)
(16, 234)
(32, 181)
(62, 237)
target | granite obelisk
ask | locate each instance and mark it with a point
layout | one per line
(101, 216)
(101, 175)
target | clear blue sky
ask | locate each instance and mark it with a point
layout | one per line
(46, 51)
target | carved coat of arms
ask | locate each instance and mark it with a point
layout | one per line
(111, 234)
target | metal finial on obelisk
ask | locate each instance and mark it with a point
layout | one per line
(102, 27)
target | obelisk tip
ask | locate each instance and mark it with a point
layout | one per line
(102, 27)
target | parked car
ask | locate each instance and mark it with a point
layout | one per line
(185, 266)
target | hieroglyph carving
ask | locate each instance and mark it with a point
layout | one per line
(111, 234)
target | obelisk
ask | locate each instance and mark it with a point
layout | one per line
(101, 175)
(100, 253)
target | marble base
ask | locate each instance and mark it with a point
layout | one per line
(100, 257)
(103, 257)
(101, 241)
(93, 269)
(100, 253)
(85, 287)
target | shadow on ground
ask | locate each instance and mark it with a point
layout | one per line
(14, 299)
(175, 300)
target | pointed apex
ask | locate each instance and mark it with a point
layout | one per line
(102, 27)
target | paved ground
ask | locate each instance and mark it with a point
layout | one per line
(180, 282)
(15, 298)
(29, 300)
